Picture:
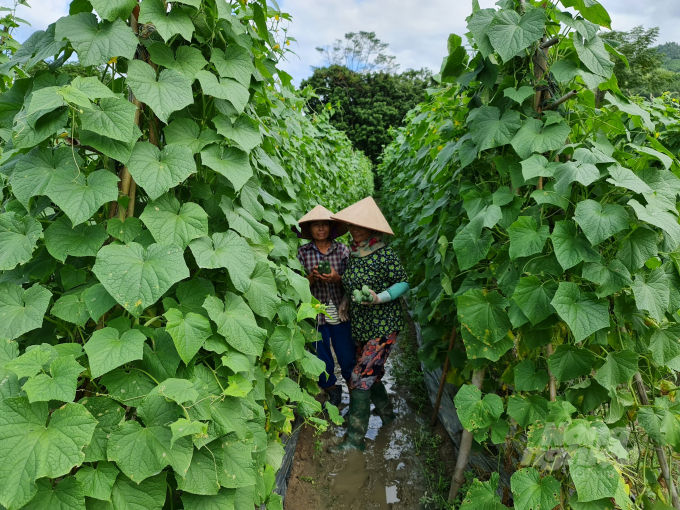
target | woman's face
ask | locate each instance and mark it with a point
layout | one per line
(359, 233)
(320, 230)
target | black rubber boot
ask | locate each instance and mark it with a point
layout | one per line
(357, 422)
(383, 406)
(334, 395)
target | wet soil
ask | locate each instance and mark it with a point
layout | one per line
(387, 476)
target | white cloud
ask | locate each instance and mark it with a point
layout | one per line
(416, 30)
(41, 14)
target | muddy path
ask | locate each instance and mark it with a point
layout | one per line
(395, 471)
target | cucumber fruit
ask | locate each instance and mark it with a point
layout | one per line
(324, 267)
(364, 295)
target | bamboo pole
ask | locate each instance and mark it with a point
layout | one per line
(552, 387)
(442, 382)
(661, 455)
(458, 478)
(564, 98)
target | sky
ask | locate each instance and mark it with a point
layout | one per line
(416, 30)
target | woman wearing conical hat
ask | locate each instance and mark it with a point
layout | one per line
(318, 226)
(375, 322)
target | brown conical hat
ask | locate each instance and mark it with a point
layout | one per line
(365, 213)
(320, 213)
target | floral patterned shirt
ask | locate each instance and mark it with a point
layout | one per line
(379, 270)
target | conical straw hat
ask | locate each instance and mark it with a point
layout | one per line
(320, 213)
(365, 213)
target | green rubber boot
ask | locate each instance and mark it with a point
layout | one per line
(383, 406)
(357, 422)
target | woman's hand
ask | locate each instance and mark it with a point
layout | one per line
(343, 310)
(333, 277)
(376, 299)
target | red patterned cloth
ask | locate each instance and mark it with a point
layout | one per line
(338, 256)
(371, 358)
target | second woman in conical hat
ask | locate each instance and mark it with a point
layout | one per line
(377, 278)
(326, 286)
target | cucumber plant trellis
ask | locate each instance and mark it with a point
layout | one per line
(152, 321)
(536, 208)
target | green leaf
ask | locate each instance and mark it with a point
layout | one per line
(625, 178)
(108, 349)
(262, 295)
(127, 387)
(34, 360)
(227, 250)
(230, 162)
(475, 412)
(66, 495)
(112, 118)
(611, 278)
(170, 223)
(531, 492)
(236, 323)
(662, 422)
(489, 129)
(187, 133)
(98, 482)
(168, 24)
(226, 88)
(571, 248)
(243, 222)
(18, 238)
(591, 10)
(97, 301)
(111, 147)
(533, 297)
(519, 96)
(482, 495)
(112, 9)
(483, 315)
(659, 218)
(223, 500)
(511, 33)
(600, 222)
(30, 450)
(631, 109)
(664, 344)
(188, 331)
(233, 63)
(652, 293)
(286, 345)
(71, 308)
(244, 131)
(534, 137)
(80, 197)
(594, 477)
(170, 93)
(142, 451)
(187, 61)
(201, 478)
(583, 313)
(638, 247)
(96, 42)
(479, 24)
(137, 277)
(619, 368)
(148, 495)
(537, 166)
(178, 390)
(33, 171)
(239, 470)
(527, 378)
(472, 243)
(21, 310)
(91, 88)
(527, 410)
(526, 237)
(45, 100)
(183, 428)
(125, 230)
(162, 361)
(594, 55)
(61, 384)
(569, 362)
(566, 173)
(157, 171)
(63, 240)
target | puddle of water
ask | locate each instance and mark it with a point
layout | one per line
(391, 494)
(352, 476)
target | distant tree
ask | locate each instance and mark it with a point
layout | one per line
(361, 52)
(645, 75)
(367, 104)
(670, 53)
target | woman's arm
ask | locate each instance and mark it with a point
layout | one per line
(394, 292)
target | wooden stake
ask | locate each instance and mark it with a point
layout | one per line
(442, 382)
(661, 455)
(552, 387)
(465, 447)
